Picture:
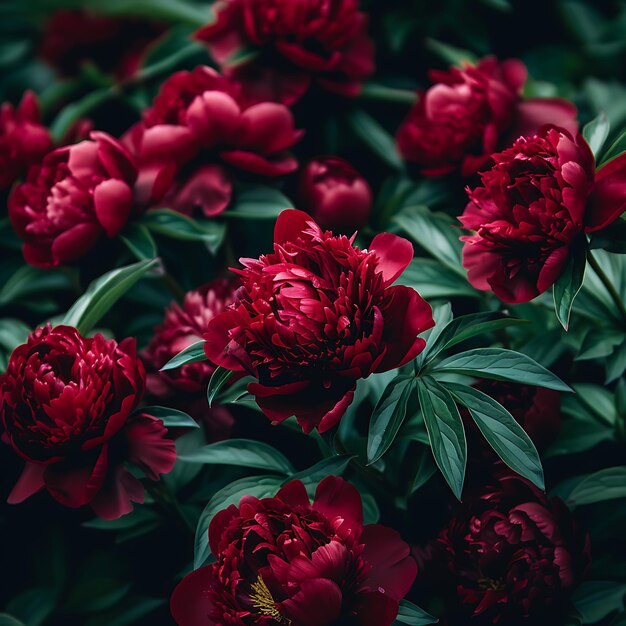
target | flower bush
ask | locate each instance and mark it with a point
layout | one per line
(312, 313)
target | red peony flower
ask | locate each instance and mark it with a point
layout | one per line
(23, 140)
(314, 316)
(471, 112)
(73, 37)
(513, 556)
(283, 560)
(202, 114)
(293, 42)
(533, 205)
(66, 405)
(335, 194)
(74, 196)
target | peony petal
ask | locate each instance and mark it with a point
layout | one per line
(148, 446)
(190, 603)
(75, 242)
(318, 603)
(113, 203)
(534, 113)
(276, 165)
(267, 128)
(117, 495)
(394, 255)
(337, 498)
(209, 188)
(214, 118)
(291, 225)
(30, 482)
(294, 494)
(608, 199)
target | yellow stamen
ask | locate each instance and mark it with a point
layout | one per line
(264, 603)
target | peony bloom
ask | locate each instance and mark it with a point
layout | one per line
(294, 42)
(335, 194)
(283, 560)
(23, 140)
(314, 316)
(66, 405)
(74, 37)
(197, 129)
(471, 112)
(77, 194)
(513, 556)
(534, 204)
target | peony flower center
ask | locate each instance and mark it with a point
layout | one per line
(491, 584)
(264, 603)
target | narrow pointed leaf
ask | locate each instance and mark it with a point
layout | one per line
(171, 418)
(218, 379)
(191, 354)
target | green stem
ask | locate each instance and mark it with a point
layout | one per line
(373, 91)
(168, 504)
(607, 284)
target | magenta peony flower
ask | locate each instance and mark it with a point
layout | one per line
(283, 560)
(314, 316)
(471, 112)
(335, 194)
(538, 199)
(66, 405)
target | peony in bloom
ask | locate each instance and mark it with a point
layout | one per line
(513, 556)
(335, 194)
(283, 560)
(77, 194)
(23, 139)
(67, 407)
(73, 37)
(294, 42)
(470, 112)
(314, 316)
(533, 205)
(200, 127)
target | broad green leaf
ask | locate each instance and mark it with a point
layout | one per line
(568, 285)
(388, 416)
(501, 364)
(64, 121)
(445, 431)
(27, 280)
(425, 468)
(33, 606)
(174, 11)
(103, 293)
(333, 466)
(191, 354)
(450, 54)
(139, 241)
(13, 332)
(614, 150)
(595, 599)
(411, 614)
(376, 137)
(257, 486)
(241, 453)
(599, 343)
(183, 473)
(607, 484)
(431, 279)
(258, 202)
(616, 363)
(9, 620)
(501, 431)
(595, 133)
(611, 238)
(577, 436)
(171, 418)
(218, 379)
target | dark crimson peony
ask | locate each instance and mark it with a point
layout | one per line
(77, 194)
(66, 405)
(314, 316)
(513, 556)
(74, 37)
(471, 112)
(23, 140)
(200, 126)
(335, 194)
(534, 204)
(283, 560)
(293, 42)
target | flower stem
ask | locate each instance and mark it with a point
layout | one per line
(619, 303)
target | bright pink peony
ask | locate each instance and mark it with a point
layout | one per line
(283, 560)
(471, 112)
(314, 316)
(534, 204)
(23, 140)
(66, 405)
(77, 194)
(293, 43)
(335, 194)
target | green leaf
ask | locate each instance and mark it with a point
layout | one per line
(241, 453)
(257, 486)
(611, 238)
(27, 280)
(78, 109)
(333, 466)
(13, 333)
(503, 433)
(241, 57)
(95, 594)
(175, 11)
(598, 343)
(103, 293)
(376, 137)
(450, 54)
(183, 473)
(577, 436)
(171, 418)
(258, 202)
(435, 232)
(9, 620)
(445, 431)
(431, 280)
(388, 416)
(33, 606)
(218, 379)
(568, 285)
(607, 484)
(412, 615)
(191, 354)
(595, 599)
(501, 364)
(139, 241)
(137, 517)
(614, 150)
(596, 132)
(178, 226)
(424, 470)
